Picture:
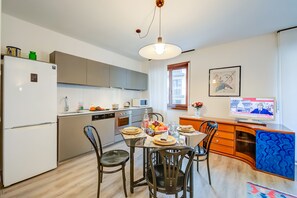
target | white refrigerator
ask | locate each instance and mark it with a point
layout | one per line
(29, 117)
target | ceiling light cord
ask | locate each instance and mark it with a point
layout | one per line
(160, 23)
(148, 30)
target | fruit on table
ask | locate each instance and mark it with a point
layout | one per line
(158, 126)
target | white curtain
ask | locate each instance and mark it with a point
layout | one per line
(288, 71)
(158, 87)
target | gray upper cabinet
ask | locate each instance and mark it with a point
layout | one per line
(143, 81)
(118, 77)
(71, 69)
(136, 80)
(81, 71)
(97, 74)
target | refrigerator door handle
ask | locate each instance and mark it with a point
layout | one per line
(32, 125)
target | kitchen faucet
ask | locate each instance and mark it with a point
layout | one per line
(66, 107)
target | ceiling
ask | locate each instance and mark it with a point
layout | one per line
(190, 24)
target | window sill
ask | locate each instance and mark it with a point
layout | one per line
(178, 108)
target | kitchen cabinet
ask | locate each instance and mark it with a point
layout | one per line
(137, 116)
(71, 139)
(76, 70)
(97, 74)
(136, 80)
(118, 77)
(71, 69)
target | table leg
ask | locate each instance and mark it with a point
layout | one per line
(144, 162)
(132, 149)
(191, 181)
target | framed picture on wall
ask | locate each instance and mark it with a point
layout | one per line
(224, 81)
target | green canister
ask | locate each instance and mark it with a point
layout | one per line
(32, 55)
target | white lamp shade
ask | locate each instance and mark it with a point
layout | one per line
(170, 51)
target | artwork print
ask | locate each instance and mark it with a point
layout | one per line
(225, 81)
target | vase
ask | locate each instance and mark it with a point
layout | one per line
(197, 112)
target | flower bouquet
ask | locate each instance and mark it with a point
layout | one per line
(197, 106)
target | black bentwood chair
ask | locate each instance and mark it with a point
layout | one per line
(202, 151)
(111, 158)
(166, 175)
(156, 116)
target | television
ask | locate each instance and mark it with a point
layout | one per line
(252, 110)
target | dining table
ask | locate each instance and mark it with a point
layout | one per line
(145, 141)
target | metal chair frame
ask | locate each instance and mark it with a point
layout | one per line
(89, 132)
(210, 128)
(158, 116)
(170, 163)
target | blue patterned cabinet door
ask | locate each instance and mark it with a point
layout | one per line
(275, 153)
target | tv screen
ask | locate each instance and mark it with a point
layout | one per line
(252, 108)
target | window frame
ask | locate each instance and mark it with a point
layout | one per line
(170, 68)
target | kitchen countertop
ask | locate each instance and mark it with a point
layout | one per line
(83, 112)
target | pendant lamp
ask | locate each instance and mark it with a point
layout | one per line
(159, 50)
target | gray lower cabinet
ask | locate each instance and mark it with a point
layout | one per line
(71, 139)
(97, 74)
(118, 77)
(137, 116)
(136, 80)
(71, 69)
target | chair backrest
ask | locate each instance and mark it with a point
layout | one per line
(156, 116)
(210, 128)
(171, 159)
(89, 131)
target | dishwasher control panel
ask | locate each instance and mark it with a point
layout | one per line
(102, 116)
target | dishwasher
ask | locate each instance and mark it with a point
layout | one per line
(105, 125)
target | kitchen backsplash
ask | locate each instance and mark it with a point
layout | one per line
(88, 96)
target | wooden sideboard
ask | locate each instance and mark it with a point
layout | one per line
(268, 148)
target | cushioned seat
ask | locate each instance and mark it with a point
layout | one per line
(114, 158)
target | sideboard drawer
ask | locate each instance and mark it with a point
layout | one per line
(222, 149)
(225, 127)
(224, 142)
(226, 135)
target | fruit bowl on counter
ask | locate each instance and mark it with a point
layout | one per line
(98, 108)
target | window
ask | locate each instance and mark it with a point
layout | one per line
(178, 86)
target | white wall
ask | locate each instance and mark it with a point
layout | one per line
(288, 63)
(258, 59)
(30, 37)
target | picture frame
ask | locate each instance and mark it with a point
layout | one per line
(224, 81)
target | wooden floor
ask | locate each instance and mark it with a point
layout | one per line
(78, 178)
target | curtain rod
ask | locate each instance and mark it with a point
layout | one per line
(286, 29)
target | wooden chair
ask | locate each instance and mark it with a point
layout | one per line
(202, 150)
(156, 116)
(111, 158)
(166, 175)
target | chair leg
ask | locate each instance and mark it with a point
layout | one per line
(197, 164)
(209, 180)
(101, 175)
(124, 180)
(99, 178)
